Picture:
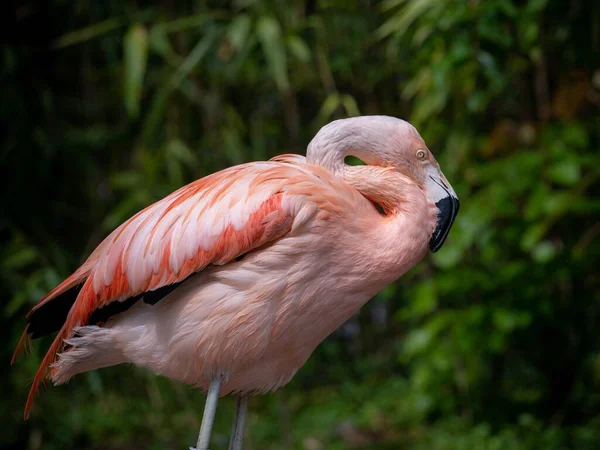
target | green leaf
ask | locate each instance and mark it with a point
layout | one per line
(160, 44)
(417, 341)
(135, 46)
(126, 179)
(350, 105)
(331, 103)
(566, 173)
(425, 298)
(544, 252)
(298, 48)
(186, 22)
(177, 149)
(161, 97)
(404, 18)
(239, 31)
(20, 258)
(269, 34)
(533, 235)
(507, 320)
(88, 33)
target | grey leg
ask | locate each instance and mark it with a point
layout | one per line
(239, 423)
(208, 418)
(234, 425)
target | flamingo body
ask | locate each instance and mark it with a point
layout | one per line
(261, 262)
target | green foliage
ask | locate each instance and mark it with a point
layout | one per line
(135, 55)
(490, 343)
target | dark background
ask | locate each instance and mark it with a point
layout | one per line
(492, 343)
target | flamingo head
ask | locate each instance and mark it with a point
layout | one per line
(394, 153)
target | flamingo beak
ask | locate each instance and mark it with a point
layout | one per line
(447, 203)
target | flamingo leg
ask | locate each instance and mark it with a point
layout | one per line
(239, 423)
(210, 408)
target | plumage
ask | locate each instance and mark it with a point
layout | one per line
(241, 274)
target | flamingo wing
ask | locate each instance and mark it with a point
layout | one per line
(210, 221)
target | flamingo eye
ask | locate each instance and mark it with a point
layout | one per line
(421, 154)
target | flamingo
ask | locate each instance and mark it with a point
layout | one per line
(231, 282)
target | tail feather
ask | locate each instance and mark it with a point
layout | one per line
(78, 277)
(21, 347)
(92, 348)
(76, 317)
(41, 372)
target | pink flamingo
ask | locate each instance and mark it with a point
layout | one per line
(232, 281)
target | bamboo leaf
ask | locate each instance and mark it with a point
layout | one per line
(404, 18)
(239, 30)
(135, 46)
(350, 106)
(160, 99)
(269, 33)
(298, 49)
(88, 33)
(331, 103)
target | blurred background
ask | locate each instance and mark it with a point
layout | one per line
(492, 343)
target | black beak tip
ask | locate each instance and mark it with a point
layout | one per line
(448, 209)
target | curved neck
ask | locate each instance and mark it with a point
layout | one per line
(332, 145)
(381, 185)
(401, 239)
(400, 236)
(393, 242)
